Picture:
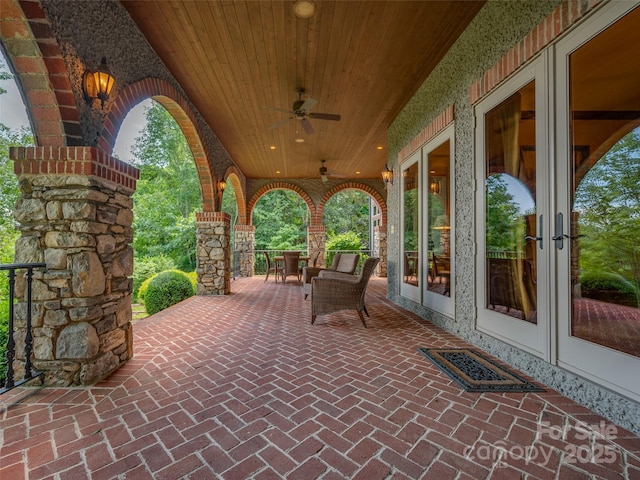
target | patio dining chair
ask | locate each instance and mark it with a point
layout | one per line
(334, 291)
(291, 265)
(272, 268)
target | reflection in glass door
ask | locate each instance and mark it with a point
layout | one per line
(597, 240)
(439, 221)
(411, 226)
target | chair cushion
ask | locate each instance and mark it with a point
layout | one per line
(347, 263)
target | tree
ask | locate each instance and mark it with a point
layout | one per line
(280, 218)
(348, 211)
(608, 203)
(504, 223)
(168, 192)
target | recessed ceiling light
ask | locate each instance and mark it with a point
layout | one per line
(379, 147)
(272, 147)
(278, 172)
(299, 140)
(304, 8)
(358, 173)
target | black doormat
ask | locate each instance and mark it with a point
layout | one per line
(476, 373)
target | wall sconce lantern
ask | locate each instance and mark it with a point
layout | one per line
(387, 176)
(221, 186)
(98, 84)
(434, 186)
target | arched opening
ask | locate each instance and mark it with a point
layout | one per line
(167, 196)
(280, 217)
(348, 219)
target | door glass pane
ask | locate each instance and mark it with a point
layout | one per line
(439, 224)
(411, 237)
(605, 217)
(510, 189)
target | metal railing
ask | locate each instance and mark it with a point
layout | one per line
(29, 372)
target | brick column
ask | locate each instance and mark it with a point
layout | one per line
(244, 245)
(75, 214)
(316, 245)
(380, 249)
(213, 253)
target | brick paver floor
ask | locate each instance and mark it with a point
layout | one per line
(242, 386)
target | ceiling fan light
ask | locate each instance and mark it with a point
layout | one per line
(304, 8)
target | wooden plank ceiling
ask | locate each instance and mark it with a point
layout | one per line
(362, 60)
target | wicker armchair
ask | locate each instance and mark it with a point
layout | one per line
(334, 291)
(291, 265)
(342, 262)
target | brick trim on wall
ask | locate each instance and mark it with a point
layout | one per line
(554, 25)
(89, 161)
(212, 217)
(438, 124)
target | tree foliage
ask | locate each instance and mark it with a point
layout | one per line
(168, 192)
(608, 204)
(345, 212)
(280, 218)
(504, 223)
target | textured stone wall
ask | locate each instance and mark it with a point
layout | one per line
(380, 249)
(213, 253)
(316, 245)
(244, 243)
(80, 225)
(496, 29)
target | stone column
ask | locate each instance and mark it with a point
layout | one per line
(75, 214)
(213, 253)
(316, 245)
(244, 244)
(380, 249)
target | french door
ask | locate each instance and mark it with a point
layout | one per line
(512, 202)
(598, 215)
(558, 169)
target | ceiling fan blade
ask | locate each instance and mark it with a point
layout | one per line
(276, 108)
(325, 116)
(281, 122)
(307, 126)
(308, 104)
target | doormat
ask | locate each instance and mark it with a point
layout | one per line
(476, 373)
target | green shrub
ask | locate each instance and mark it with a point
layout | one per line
(142, 291)
(146, 267)
(617, 288)
(166, 289)
(349, 241)
(607, 281)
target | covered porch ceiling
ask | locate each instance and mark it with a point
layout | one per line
(362, 60)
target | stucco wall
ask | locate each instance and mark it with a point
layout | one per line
(498, 27)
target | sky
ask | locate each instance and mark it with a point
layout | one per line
(13, 114)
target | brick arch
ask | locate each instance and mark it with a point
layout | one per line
(279, 186)
(37, 61)
(233, 175)
(165, 94)
(351, 186)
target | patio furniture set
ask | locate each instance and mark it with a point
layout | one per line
(332, 289)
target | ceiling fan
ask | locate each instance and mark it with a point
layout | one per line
(324, 173)
(301, 111)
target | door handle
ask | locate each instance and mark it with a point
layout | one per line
(539, 237)
(560, 235)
